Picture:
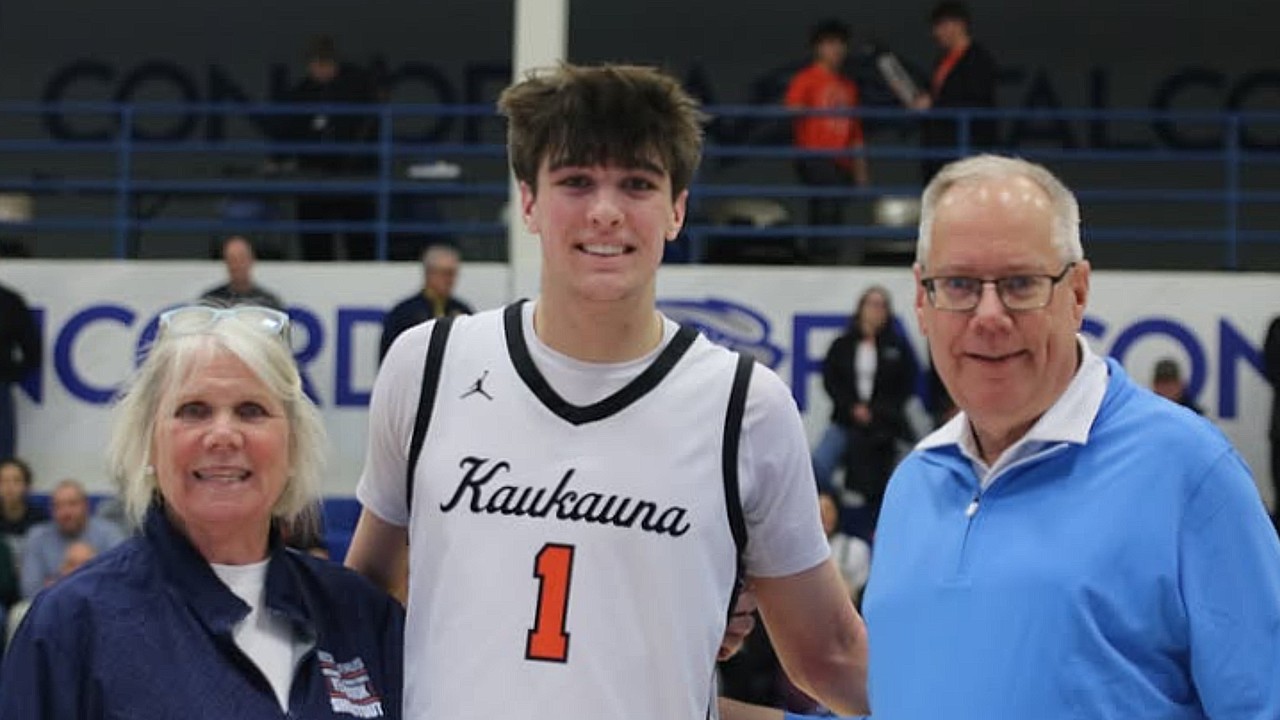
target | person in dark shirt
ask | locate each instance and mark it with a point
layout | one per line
(240, 289)
(20, 354)
(1167, 382)
(440, 266)
(330, 81)
(964, 76)
(17, 514)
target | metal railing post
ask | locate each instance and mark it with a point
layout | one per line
(124, 170)
(1232, 180)
(384, 180)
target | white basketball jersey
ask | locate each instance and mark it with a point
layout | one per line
(569, 562)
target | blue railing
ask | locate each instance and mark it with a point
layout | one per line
(1165, 183)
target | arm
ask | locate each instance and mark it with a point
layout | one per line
(734, 710)
(380, 552)
(33, 572)
(1271, 354)
(1230, 585)
(820, 639)
(861, 175)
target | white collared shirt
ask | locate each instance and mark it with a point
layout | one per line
(1066, 421)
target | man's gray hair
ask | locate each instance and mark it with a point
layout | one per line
(432, 253)
(1066, 210)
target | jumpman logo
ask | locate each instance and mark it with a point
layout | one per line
(478, 388)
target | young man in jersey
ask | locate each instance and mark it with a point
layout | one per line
(576, 532)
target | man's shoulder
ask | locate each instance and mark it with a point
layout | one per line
(407, 304)
(341, 585)
(40, 533)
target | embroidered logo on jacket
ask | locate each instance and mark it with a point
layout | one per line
(351, 690)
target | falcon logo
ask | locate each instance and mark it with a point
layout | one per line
(477, 388)
(726, 323)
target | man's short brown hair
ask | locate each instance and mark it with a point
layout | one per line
(624, 115)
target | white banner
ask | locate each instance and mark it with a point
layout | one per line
(94, 314)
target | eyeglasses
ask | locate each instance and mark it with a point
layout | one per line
(194, 318)
(1016, 292)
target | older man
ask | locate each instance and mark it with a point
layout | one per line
(1069, 545)
(240, 289)
(440, 267)
(46, 547)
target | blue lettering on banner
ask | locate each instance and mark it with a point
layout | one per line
(1174, 330)
(1232, 348)
(735, 325)
(64, 348)
(313, 330)
(344, 395)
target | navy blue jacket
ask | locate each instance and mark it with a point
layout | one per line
(145, 631)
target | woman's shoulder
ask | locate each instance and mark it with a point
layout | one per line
(340, 583)
(116, 578)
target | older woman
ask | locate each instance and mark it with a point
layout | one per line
(204, 613)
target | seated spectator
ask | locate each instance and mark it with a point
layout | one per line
(112, 510)
(851, 553)
(305, 533)
(17, 513)
(237, 255)
(1166, 381)
(78, 553)
(47, 543)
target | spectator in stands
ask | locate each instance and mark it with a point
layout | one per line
(851, 553)
(440, 267)
(331, 81)
(1069, 545)
(78, 553)
(869, 372)
(1271, 365)
(823, 85)
(17, 513)
(1166, 381)
(240, 289)
(20, 355)
(964, 76)
(47, 542)
(203, 613)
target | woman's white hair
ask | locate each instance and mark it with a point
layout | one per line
(1066, 210)
(169, 363)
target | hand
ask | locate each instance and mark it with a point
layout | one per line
(741, 622)
(922, 102)
(862, 414)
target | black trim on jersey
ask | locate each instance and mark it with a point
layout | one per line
(729, 465)
(513, 321)
(729, 471)
(426, 401)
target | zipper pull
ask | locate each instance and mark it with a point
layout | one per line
(973, 506)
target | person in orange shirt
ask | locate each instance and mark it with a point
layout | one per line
(824, 86)
(964, 76)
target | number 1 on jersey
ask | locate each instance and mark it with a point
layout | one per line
(553, 566)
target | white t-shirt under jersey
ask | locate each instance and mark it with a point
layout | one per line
(265, 638)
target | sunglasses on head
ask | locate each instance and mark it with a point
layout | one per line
(194, 318)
